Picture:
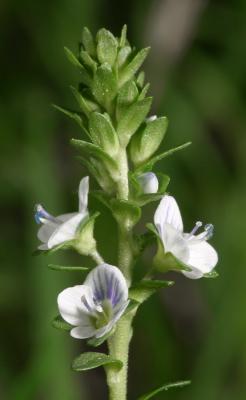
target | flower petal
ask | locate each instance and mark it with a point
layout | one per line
(83, 332)
(168, 213)
(71, 306)
(174, 243)
(45, 231)
(83, 194)
(149, 182)
(202, 258)
(108, 282)
(66, 231)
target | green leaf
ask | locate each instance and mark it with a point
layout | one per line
(125, 210)
(127, 95)
(59, 323)
(90, 149)
(103, 134)
(88, 42)
(106, 47)
(123, 36)
(68, 268)
(164, 388)
(140, 79)
(104, 86)
(81, 101)
(144, 92)
(91, 360)
(88, 61)
(132, 119)
(130, 69)
(123, 56)
(73, 115)
(147, 140)
(150, 164)
(153, 284)
(85, 77)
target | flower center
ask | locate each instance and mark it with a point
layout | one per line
(100, 312)
(42, 216)
(205, 235)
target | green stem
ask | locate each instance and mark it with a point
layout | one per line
(119, 342)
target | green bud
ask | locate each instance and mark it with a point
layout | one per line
(123, 55)
(103, 134)
(88, 61)
(104, 86)
(106, 47)
(147, 140)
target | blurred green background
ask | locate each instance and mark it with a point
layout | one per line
(196, 68)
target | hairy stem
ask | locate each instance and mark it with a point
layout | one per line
(119, 342)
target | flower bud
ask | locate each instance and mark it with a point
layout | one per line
(148, 182)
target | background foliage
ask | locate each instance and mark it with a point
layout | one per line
(197, 71)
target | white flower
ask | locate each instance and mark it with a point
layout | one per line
(193, 250)
(94, 307)
(60, 229)
(148, 182)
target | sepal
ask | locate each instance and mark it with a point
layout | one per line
(91, 360)
(88, 42)
(59, 323)
(103, 134)
(85, 243)
(124, 210)
(95, 342)
(128, 94)
(145, 288)
(84, 75)
(104, 86)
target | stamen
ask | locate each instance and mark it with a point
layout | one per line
(41, 216)
(196, 227)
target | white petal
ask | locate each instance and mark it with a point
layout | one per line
(83, 332)
(66, 217)
(108, 282)
(168, 213)
(174, 242)
(43, 247)
(71, 307)
(66, 231)
(149, 182)
(202, 258)
(83, 194)
(45, 231)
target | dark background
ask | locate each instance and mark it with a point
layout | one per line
(196, 68)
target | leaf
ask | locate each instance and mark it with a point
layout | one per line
(123, 56)
(88, 42)
(81, 101)
(73, 115)
(125, 210)
(103, 134)
(91, 149)
(164, 388)
(140, 79)
(68, 268)
(88, 61)
(150, 164)
(132, 119)
(59, 323)
(147, 140)
(153, 284)
(106, 47)
(144, 91)
(91, 360)
(104, 86)
(123, 36)
(127, 95)
(130, 69)
(85, 77)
